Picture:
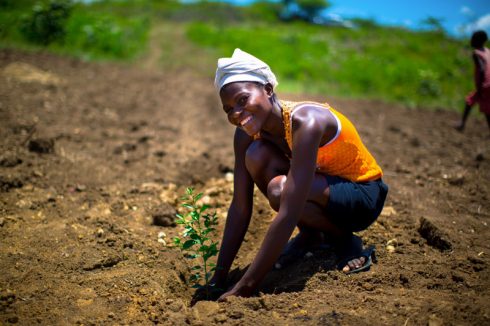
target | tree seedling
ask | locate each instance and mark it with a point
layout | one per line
(195, 240)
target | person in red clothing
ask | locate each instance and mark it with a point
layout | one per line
(481, 58)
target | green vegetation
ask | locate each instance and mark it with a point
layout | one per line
(87, 31)
(195, 239)
(425, 68)
(46, 22)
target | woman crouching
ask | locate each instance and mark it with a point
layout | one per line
(311, 164)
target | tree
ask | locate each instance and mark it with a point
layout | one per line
(433, 23)
(313, 7)
(303, 9)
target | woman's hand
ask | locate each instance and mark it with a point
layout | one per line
(237, 291)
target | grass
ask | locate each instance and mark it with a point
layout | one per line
(425, 69)
(91, 32)
(417, 69)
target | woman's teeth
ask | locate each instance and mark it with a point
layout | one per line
(245, 121)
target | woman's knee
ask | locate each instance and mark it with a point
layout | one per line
(274, 191)
(255, 157)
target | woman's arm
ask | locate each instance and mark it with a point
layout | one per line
(307, 133)
(239, 213)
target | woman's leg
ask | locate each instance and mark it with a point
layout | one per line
(264, 161)
(268, 167)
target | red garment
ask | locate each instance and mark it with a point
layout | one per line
(483, 99)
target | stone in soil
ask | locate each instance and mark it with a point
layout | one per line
(9, 161)
(41, 145)
(9, 182)
(164, 215)
(434, 236)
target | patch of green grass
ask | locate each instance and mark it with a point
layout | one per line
(86, 33)
(102, 35)
(417, 69)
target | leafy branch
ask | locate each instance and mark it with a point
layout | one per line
(198, 226)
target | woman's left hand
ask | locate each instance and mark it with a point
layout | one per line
(237, 291)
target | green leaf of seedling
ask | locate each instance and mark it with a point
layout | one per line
(204, 207)
(207, 255)
(203, 248)
(189, 191)
(188, 244)
(190, 229)
(196, 238)
(198, 196)
(195, 268)
(195, 277)
(195, 216)
(176, 240)
(208, 230)
(187, 206)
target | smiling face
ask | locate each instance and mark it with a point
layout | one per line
(247, 105)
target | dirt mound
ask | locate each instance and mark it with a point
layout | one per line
(81, 223)
(28, 73)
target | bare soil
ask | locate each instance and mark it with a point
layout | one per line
(91, 153)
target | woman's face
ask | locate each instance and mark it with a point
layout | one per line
(247, 105)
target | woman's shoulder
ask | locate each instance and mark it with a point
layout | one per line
(309, 114)
(304, 109)
(293, 105)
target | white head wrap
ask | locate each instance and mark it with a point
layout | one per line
(243, 67)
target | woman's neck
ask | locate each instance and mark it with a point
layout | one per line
(274, 124)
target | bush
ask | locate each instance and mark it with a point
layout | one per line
(106, 36)
(46, 22)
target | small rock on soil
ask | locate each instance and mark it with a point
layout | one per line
(434, 236)
(164, 215)
(41, 145)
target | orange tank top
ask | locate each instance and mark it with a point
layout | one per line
(345, 155)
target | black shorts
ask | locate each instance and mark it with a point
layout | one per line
(354, 206)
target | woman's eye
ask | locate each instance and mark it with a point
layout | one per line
(243, 100)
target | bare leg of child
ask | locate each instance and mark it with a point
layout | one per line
(466, 112)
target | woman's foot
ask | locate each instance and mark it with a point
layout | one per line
(353, 258)
(354, 264)
(298, 246)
